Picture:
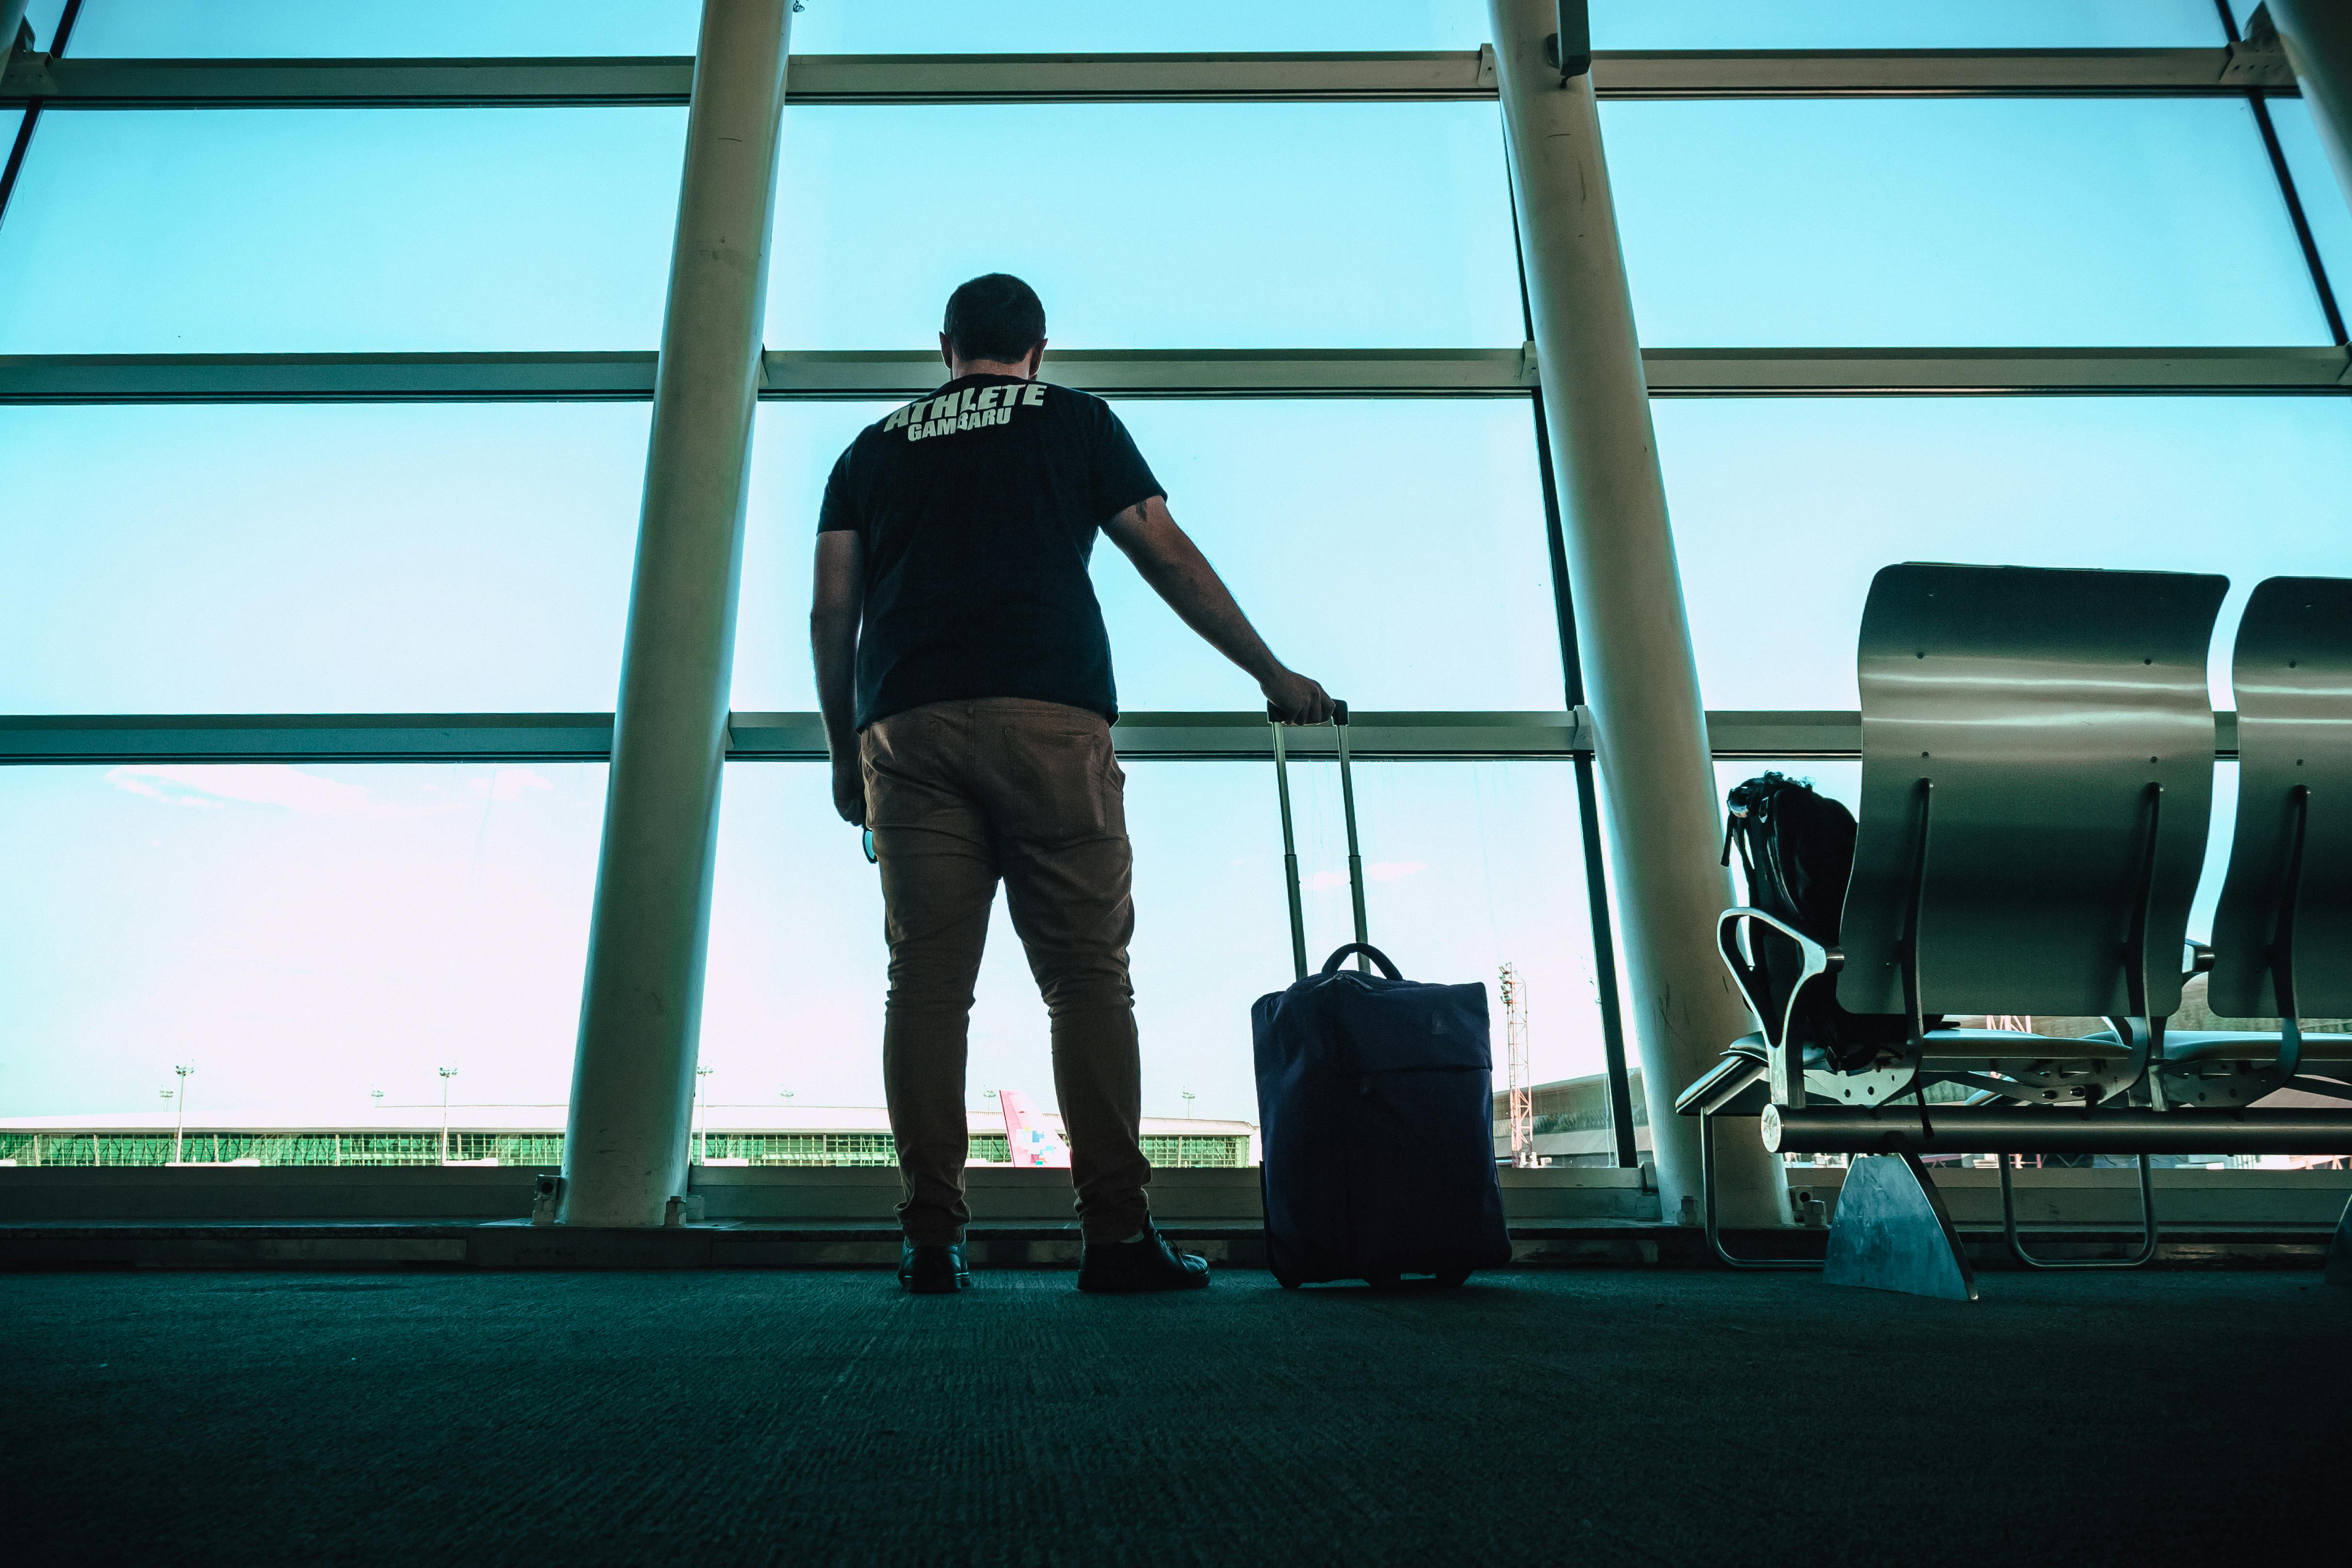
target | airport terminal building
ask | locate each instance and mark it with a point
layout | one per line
(534, 1135)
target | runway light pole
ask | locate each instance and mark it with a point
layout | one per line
(702, 1123)
(1188, 1102)
(180, 1126)
(447, 1074)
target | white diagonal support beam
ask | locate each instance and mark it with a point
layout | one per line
(1633, 633)
(2318, 39)
(641, 1005)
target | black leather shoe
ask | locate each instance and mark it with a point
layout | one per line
(933, 1270)
(1151, 1264)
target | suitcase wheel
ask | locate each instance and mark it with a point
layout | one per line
(1382, 1281)
(1453, 1279)
(1288, 1281)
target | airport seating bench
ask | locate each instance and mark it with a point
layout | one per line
(2037, 779)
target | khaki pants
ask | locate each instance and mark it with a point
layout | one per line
(960, 795)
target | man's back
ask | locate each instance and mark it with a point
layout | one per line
(976, 509)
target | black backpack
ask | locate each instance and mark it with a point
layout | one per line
(1797, 848)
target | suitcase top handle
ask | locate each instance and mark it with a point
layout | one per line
(1332, 965)
(1338, 713)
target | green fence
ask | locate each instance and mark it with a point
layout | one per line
(1183, 1150)
(508, 1148)
(203, 1148)
(207, 1148)
(798, 1149)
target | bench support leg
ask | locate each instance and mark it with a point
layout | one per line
(2017, 1246)
(2339, 1251)
(1892, 1233)
(1714, 1230)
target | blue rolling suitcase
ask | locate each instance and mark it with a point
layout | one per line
(1376, 1106)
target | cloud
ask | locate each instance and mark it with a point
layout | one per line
(1376, 870)
(507, 784)
(251, 784)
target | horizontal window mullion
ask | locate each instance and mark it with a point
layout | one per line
(792, 375)
(883, 79)
(1223, 736)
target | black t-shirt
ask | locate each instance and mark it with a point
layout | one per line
(978, 509)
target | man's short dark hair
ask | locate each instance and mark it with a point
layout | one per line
(994, 316)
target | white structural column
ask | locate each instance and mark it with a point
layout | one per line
(2318, 39)
(1640, 681)
(641, 1006)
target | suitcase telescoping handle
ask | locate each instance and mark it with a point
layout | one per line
(1290, 839)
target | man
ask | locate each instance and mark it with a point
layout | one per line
(965, 676)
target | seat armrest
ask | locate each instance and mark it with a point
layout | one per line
(1785, 1069)
(1830, 958)
(1819, 960)
(1733, 1076)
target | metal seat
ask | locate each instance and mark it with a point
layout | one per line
(2283, 931)
(2037, 780)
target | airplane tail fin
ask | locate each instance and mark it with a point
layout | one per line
(1030, 1141)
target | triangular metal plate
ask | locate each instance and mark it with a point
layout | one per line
(1891, 1233)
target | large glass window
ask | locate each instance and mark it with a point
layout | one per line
(281, 230)
(1784, 511)
(1394, 550)
(1467, 866)
(43, 15)
(797, 959)
(303, 937)
(309, 936)
(1918, 25)
(1954, 223)
(1149, 225)
(240, 28)
(2316, 186)
(261, 30)
(427, 557)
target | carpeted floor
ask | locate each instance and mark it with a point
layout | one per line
(1586, 1417)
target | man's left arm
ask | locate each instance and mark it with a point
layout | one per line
(839, 600)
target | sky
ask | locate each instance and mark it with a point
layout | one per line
(306, 935)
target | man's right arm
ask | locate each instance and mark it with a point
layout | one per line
(839, 599)
(1177, 570)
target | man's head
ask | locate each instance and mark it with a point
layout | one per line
(994, 323)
